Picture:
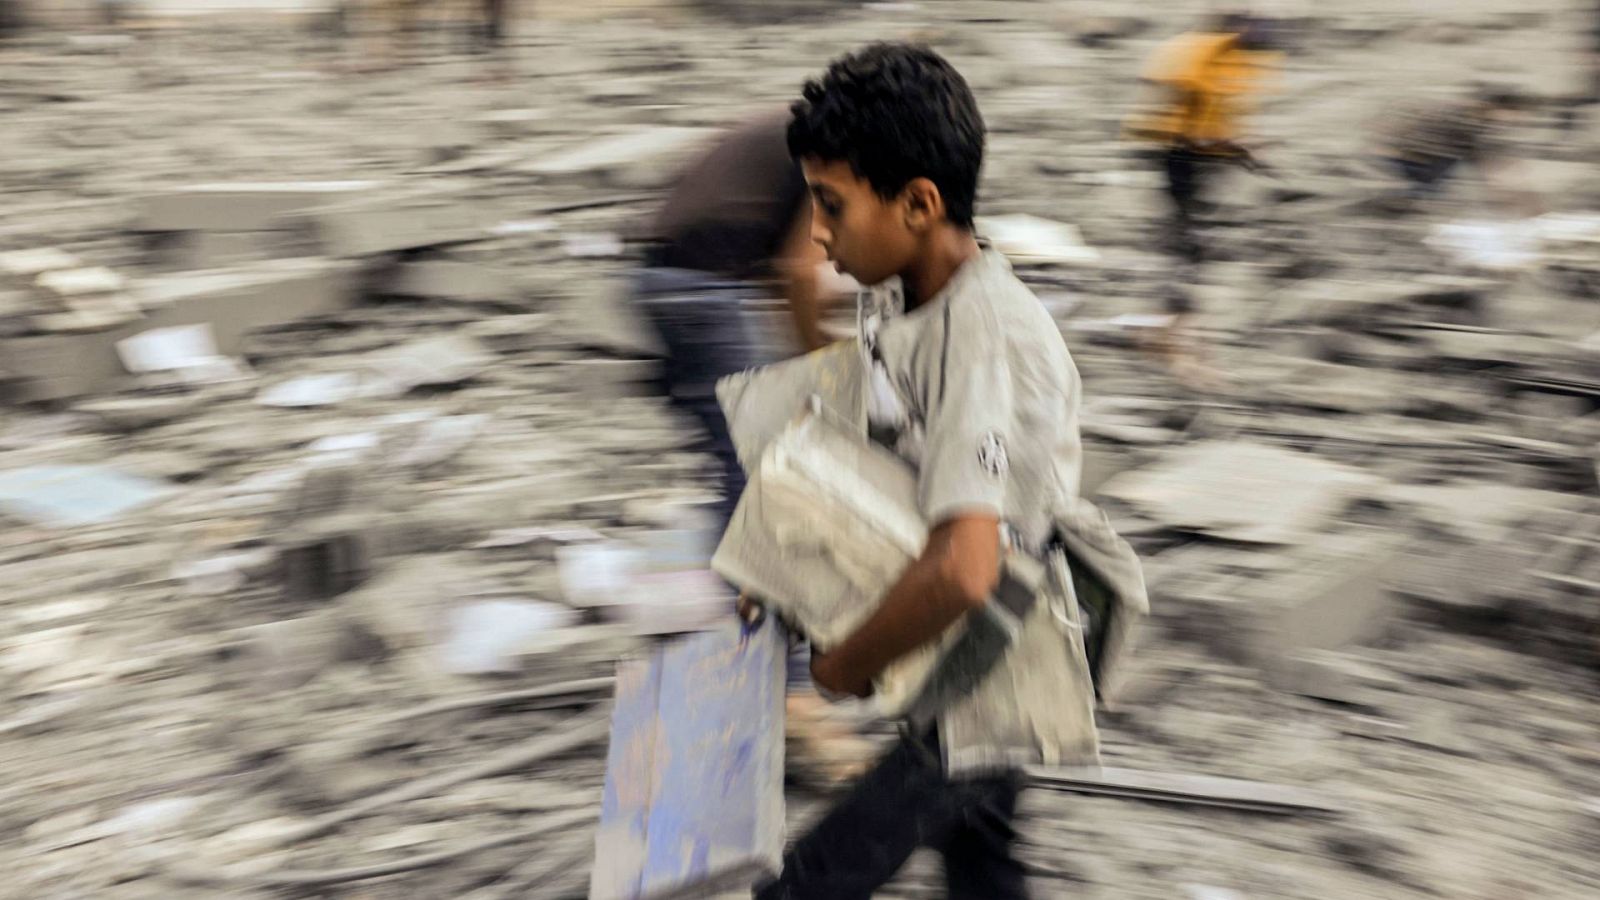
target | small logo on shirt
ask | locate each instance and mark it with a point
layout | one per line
(992, 455)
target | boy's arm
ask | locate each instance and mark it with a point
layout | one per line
(955, 574)
(962, 482)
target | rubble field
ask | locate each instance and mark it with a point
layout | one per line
(325, 417)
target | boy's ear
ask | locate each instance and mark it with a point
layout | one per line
(922, 204)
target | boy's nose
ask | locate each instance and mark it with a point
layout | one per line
(820, 233)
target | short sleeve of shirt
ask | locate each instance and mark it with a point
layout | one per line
(969, 427)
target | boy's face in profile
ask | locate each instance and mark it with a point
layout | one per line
(866, 237)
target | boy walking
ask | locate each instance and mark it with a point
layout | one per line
(972, 385)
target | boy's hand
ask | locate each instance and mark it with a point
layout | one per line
(825, 672)
(752, 614)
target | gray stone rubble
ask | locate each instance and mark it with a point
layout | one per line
(246, 687)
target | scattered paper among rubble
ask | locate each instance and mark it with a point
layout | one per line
(166, 349)
(487, 636)
(597, 574)
(326, 389)
(660, 584)
(522, 537)
(346, 446)
(1123, 322)
(214, 576)
(1031, 240)
(584, 245)
(1574, 227)
(82, 281)
(36, 261)
(64, 496)
(1488, 244)
(523, 226)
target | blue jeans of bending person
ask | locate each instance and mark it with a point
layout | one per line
(708, 334)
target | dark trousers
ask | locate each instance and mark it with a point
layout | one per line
(1185, 170)
(707, 335)
(1186, 173)
(904, 803)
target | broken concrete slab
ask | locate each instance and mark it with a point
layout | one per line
(639, 158)
(289, 653)
(1241, 491)
(408, 602)
(1323, 596)
(515, 334)
(133, 412)
(390, 222)
(233, 302)
(1332, 676)
(451, 359)
(445, 279)
(1198, 790)
(242, 206)
(224, 249)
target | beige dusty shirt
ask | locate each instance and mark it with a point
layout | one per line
(976, 390)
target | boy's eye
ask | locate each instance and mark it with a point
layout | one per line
(831, 207)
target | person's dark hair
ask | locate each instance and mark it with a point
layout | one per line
(895, 112)
(1254, 33)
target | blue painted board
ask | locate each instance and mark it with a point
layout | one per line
(693, 800)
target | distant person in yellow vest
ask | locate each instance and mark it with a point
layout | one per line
(1205, 80)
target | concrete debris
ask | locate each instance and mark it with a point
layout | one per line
(242, 206)
(224, 573)
(1030, 240)
(354, 616)
(387, 223)
(642, 158)
(232, 303)
(1241, 491)
(432, 361)
(444, 279)
(1196, 790)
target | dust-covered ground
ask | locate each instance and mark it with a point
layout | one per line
(165, 736)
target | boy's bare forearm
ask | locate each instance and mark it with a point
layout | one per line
(954, 575)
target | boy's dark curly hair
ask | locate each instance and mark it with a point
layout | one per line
(895, 112)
